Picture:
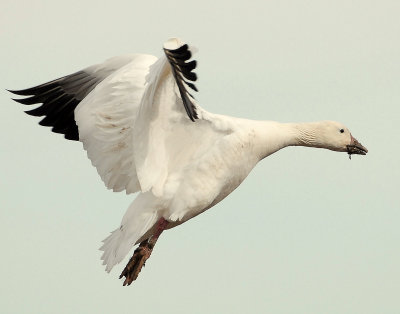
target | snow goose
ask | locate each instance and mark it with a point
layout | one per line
(144, 132)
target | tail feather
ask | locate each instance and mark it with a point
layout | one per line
(135, 224)
(109, 248)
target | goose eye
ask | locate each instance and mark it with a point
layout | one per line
(341, 131)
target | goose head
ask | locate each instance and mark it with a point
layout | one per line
(337, 137)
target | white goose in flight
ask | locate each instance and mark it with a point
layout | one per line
(145, 133)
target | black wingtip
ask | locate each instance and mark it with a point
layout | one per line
(17, 100)
(178, 51)
(37, 112)
(26, 101)
(18, 92)
(22, 92)
(182, 69)
(192, 86)
(181, 53)
(57, 105)
(191, 76)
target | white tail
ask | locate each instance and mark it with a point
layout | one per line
(135, 223)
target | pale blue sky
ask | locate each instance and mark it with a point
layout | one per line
(308, 232)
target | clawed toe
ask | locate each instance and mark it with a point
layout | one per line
(135, 264)
(142, 254)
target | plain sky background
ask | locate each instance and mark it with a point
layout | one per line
(307, 232)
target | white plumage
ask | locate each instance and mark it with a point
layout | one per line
(146, 134)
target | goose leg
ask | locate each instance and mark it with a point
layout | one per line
(142, 254)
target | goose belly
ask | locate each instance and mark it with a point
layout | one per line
(212, 179)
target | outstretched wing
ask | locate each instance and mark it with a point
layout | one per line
(134, 115)
(106, 118)
(60, 97)
(126, 123)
